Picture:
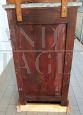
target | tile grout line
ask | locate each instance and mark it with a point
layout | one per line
(76, 101)
(76, 79)
(74, 94)
(78, 66)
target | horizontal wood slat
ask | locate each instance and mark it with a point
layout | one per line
(19, 12)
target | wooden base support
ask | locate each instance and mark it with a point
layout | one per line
(40, 107)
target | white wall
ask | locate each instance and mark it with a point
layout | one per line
(5, 45)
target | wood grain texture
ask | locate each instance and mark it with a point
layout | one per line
(69, 53)
(64, 8)
(33, 85)
(19, 12)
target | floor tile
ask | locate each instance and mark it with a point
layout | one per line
(11, 110)
(2, 113)
(32, 113)
(21, 113)
(54, 113)
(74, 108)
(75, 113)
(81, 109)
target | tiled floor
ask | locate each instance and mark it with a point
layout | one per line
(9, 93)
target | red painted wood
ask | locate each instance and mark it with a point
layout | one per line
(36, 83)
(68, 53)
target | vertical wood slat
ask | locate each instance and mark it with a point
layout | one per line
(18, 10)
(64, 8)
(13, 35)
(68, 53)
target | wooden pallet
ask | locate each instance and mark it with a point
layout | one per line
(39, 107)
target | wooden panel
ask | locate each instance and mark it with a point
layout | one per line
(35, 81)
(33, 37)
(42, 16)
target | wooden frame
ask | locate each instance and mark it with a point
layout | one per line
(68, 53)
(70, 21)
(19, 12)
